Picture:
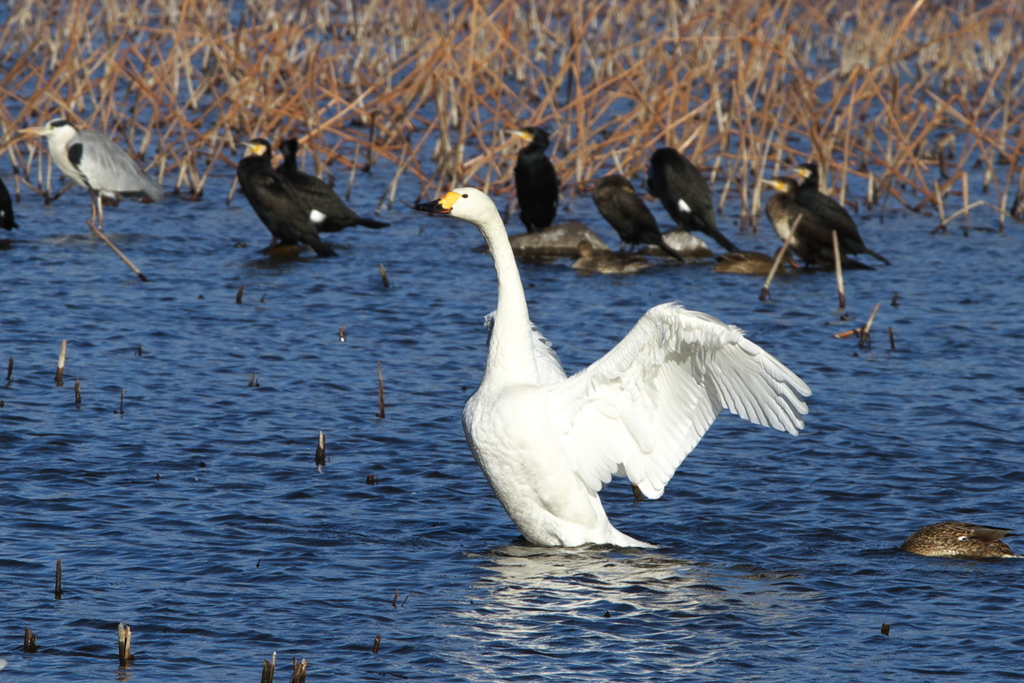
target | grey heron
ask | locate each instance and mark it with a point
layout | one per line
(100, 166)
(685, 194)
(537, 184)
(276, 201)
(97, 164)
(319, 195)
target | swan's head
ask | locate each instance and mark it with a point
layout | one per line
(467, 203)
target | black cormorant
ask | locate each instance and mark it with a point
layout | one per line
(277, 202)
(619, 203)
(813, 239)
(319, 195)
(6, 210)
(832, 212)
(537, 183)
(685, 194)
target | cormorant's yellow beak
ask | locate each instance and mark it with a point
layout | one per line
(255, 148)
(803, 172)
(524, 134)
(777, 184)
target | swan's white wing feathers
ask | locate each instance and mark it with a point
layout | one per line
(549, 368)
(641, 409)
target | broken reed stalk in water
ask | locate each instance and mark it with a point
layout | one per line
(124, 644)
(10, 368)
(838, 257)
(780, 255)
(59, 378)
(298, 671)
(57, 590)
(268, 669)
(78, 391)
(380, 390)
(238, 294)
(865, 333)
(384, 276)
(320, 458)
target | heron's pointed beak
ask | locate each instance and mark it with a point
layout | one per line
(442, 206)
(34, 130)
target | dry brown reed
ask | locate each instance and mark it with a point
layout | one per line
(911, 95)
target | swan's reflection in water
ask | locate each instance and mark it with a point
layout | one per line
(623, 612)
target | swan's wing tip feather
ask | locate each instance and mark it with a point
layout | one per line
(646, 404)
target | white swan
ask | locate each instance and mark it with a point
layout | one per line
(548, 443)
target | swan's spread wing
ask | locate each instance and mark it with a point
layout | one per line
(549, 368)
(641, 409)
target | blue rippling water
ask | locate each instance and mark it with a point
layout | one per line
(197, 515)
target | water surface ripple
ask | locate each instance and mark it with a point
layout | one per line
(197, 515)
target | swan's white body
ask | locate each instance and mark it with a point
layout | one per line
(548, 443)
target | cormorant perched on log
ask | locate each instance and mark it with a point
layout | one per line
(319, 195)
(620, 205)
(684, 193)
(277, 202)
(537, 183)
(832, 213)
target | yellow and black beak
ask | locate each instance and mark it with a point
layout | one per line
(803, 172)
(256, 148)
(775, 183)
(442, 206)
(524, 134)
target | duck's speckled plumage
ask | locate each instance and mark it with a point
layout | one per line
(959, 540)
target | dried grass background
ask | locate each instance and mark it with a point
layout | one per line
(906, 98)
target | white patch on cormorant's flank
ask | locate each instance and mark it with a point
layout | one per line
(317, 217)
(684, 207)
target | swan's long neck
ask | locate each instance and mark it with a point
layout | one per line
(510, 359)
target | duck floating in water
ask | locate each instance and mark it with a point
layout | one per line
(608, 262)
(959, 540)
(547, 443)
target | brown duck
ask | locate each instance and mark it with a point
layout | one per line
(959, 539)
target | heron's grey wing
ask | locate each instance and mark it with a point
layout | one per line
(108, 168)
(640, 409)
